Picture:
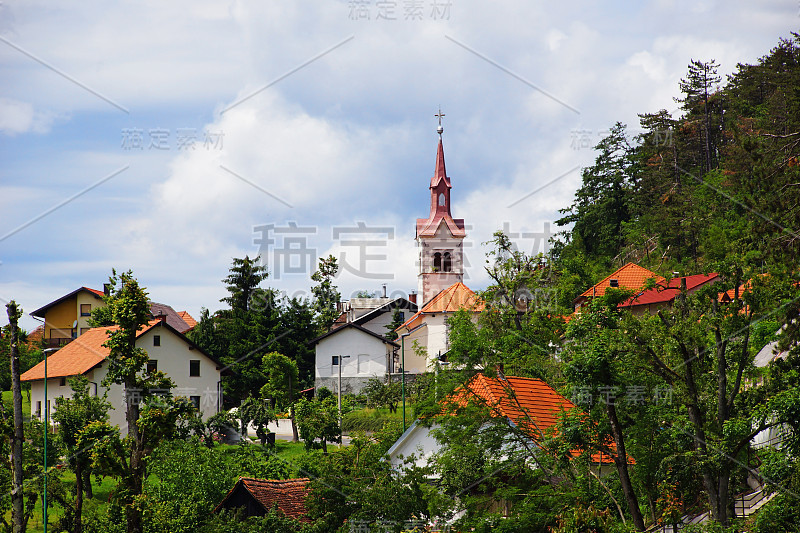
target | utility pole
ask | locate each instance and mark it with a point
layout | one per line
(403, 376)
(341, 357)
(46, 431)
(17, 503)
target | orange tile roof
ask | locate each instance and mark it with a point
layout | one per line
(288, 494)
(189, 319)
(531, 404)
(79, 356)
(453, 298)
(665, 292)
(631, 276)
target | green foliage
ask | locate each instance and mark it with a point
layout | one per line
(243, 283)
(326, 295)
(259, 413)
(318, 422)
(380, 394)
(187, 480)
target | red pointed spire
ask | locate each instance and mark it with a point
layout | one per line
(440, 172)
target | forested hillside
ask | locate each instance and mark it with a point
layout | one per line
(715, 181)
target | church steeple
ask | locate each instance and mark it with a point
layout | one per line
(440, 236)
(440, 185)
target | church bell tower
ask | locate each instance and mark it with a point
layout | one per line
(440, 237)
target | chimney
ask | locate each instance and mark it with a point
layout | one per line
(412, 297)
(106, 289)
(162, 317)
(613, 283)
(384, 290)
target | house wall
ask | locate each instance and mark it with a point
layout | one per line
(433, 338)
(378, 324)
(85, 298)
(368, 359)
(59, 318)
(417, 441)
(173, 358)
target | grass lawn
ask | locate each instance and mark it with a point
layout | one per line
(8, 399)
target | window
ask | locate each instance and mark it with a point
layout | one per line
(39, 409)
(441, 199)
(195, 401)
(63, 382)
(152, 366)
(437, 262)
(86, 309)
(335, 360)
(194, 368)
(156, 340)
(447, 263)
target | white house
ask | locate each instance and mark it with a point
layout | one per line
(424, 338)
(195, 373)
(355, 351)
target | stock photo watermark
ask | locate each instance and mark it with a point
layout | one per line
(409, 10)
(183, 139)
(587, 139)
(631, 395)
(371, 526)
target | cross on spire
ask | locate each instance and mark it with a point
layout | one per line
(439, 115)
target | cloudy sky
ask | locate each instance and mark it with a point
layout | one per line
(170, 137)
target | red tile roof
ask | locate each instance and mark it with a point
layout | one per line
(631, 276)
(665, 292)
(79, 356)
(531, 404)
(453, 298)
(288, 494)
(189, 319)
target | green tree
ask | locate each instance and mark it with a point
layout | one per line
(596, 355)
(256, 411)
(602, 204)
(129, 309)
(281, 385)
(326, 295)
(397, 321)
(243, 283)
(318, 422)
(73, 415)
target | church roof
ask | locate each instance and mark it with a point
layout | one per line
(426, 227)
(456, 296)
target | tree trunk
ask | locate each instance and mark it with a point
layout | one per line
(17, 502)
(621, 462)
(133, 484)
(87, 484)
(295, 436)
(78, 494)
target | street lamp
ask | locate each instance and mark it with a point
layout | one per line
(403, 377)
(46, 431)
(340, 395)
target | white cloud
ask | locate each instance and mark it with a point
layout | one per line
(20, 117)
